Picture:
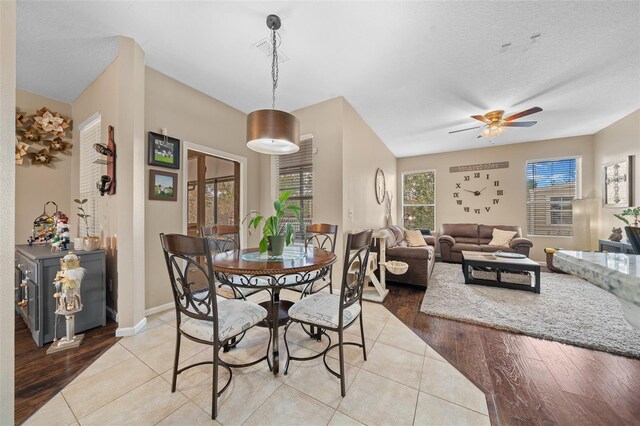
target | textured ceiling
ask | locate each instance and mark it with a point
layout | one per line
(413, 70)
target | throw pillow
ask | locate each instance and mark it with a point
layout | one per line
(502, 238)
(414, 238)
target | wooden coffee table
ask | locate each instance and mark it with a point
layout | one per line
(500, 269)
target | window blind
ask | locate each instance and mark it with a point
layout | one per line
(90, 172)
(552, 185)
(294, 172)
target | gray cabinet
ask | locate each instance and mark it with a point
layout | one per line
(35, 271)
(615, 247)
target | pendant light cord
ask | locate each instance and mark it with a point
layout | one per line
(274, 68)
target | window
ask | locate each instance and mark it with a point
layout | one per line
(219, 201)
(294, 172)
(552, 185)
(90, 172)
(419, 200)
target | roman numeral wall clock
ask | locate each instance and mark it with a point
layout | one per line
(478, 189)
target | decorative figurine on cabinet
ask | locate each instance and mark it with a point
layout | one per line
(68, 301)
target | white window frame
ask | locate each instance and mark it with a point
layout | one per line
(578, 159)
(435, 198)
(89, 171)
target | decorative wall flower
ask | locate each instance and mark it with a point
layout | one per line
(22, 119)
(49, 123)
(57, 144)
(31, 134)
(41, 157)
(21, 151)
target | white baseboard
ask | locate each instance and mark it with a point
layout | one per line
(160, 308)
(130, 331)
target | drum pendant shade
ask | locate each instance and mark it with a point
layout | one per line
(271, 131)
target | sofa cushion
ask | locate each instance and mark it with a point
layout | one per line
(466, 240)
(501, 238)
(398, 232)
(414, 238)
(390, 241)
(409, 252)
(468, 230)
(465, 247)
(486, 231)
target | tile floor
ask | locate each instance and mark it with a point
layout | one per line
(403, 382)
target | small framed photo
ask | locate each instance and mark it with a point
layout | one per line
(618, 183)
(163, 151)
(163, 186)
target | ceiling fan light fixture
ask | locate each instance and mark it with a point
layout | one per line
(271, 131)
(492, 130)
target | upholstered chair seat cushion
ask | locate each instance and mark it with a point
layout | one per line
(322, 309)
(311, 288)
(234, 317)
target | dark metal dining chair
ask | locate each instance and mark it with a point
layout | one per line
(334, 312)
(322, 236)
(224, 238)
(200, 315)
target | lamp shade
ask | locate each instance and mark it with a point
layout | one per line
(270, 131)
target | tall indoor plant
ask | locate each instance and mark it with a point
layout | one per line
(275, 232)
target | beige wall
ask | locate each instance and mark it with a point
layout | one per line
(363, 153)
(614, 143)
(118, 95)
(100, 97)
(7, 205)
(190, 116)
(35, 185)
(511, 209)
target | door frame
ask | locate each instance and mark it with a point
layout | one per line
(189, 146)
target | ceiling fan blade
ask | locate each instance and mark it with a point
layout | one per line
(520, 124)
(481, 118)
(523, 113)
(464, 130)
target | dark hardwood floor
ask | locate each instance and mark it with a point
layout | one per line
(528, 381)
(40, 376)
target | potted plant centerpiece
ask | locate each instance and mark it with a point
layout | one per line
(276, 234)
(632, 229)
(89, 242)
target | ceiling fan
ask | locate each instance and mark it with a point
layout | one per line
(494, 123)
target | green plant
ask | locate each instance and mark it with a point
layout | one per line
(83, 215)
(633, 211)
(273, 225)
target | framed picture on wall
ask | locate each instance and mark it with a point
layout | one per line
(163, 151)
(618, 183)
(163, 186)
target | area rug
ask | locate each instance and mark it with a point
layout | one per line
(568, 310)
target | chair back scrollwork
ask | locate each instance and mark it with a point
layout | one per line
(322, 236)
(192, 282)
(356, 257)
(222, 238)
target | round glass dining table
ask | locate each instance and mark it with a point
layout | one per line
(248, 268)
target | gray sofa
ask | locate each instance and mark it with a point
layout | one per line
(419, 259)
(473, 237)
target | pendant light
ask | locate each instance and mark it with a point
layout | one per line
(271, 131)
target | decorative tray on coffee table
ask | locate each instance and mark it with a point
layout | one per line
(509, 255)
